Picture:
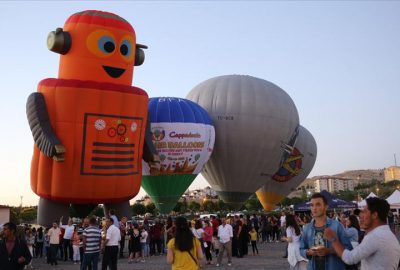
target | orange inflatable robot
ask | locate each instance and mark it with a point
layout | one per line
(89, 124)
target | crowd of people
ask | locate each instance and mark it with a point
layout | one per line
(316, 241)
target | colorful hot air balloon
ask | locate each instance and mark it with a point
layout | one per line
(293, 171)
(89, 123)
(183, 135)
(255, 121)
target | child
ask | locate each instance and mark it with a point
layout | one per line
(75, 246)
(144, 244)
(253, 238)
(216, 245)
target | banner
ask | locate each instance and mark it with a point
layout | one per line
(183, 147)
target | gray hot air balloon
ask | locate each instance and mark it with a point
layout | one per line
(255, 121)
(293, 171)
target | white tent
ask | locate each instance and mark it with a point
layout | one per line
(394, 199)
(363, 203)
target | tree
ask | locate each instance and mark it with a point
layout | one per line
(194, 206)
(81, 210)
(253, 204)
(221, 206)
(297, 200)
(184, 206)
(98, 211)
(151, 208)
(28, 214)
(138, 209)
(394, 184)
(286, 202)
(178, 207)
(209, 206)
(15, 215)
(347, 195)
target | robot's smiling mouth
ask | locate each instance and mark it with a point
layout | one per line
(113, 71)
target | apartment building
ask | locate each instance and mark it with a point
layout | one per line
(334, 184)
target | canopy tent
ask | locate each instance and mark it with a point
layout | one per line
(302, 207)
(394, 199)
(333, 202)
(363, 203)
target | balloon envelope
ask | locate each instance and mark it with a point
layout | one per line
(294, 170)
(253, 118)
(183, 135)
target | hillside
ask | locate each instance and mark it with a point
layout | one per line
(362, 175)
(358, 175)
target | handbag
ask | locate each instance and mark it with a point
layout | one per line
(188, 251)
(195, 261)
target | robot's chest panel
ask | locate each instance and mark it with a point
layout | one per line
(111, 144)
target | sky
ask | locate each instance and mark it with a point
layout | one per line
(339, 61)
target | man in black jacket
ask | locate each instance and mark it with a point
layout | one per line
(14, 253)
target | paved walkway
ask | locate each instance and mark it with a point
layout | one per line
(270, 258)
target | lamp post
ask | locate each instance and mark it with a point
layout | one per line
(20, 209)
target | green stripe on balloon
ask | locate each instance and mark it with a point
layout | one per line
(166, 190)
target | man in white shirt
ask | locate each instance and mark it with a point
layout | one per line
(54, 241)
(380, 249)
(67, 245)
(225, 234)
(113, 236)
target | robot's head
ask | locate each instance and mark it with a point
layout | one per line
(97, 46)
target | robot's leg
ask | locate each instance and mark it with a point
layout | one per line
(122, 209)
(50, 211)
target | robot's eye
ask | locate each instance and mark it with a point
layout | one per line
(125, 48)
(106, 44)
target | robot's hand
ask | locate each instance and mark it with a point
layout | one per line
(59, 153)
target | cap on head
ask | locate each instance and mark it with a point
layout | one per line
(97, 46)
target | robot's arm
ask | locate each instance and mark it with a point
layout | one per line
(150, 154)
(43, 134)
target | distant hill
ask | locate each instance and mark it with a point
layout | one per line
(360, 176)
(363, 175)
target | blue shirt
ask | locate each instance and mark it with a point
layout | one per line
(332, 262)
(352, 234)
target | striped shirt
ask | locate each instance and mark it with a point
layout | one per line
(92, 234)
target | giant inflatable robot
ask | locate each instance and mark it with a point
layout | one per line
(89, 124)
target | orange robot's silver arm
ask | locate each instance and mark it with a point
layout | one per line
(43, 134)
